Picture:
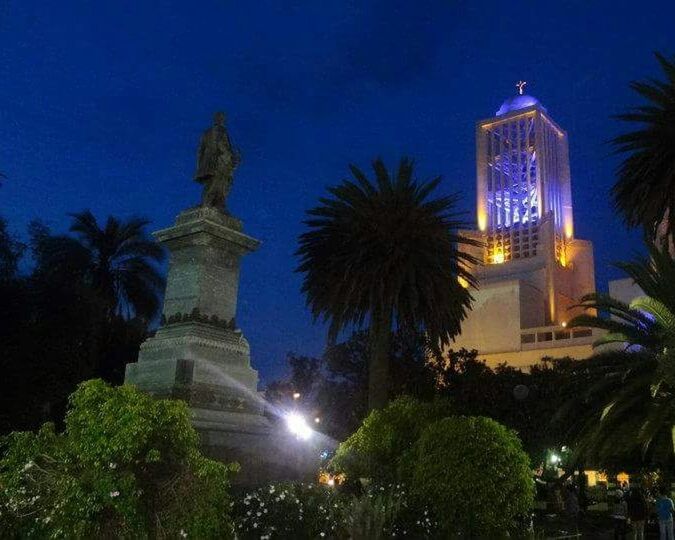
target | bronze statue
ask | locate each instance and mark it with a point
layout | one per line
(216, 161)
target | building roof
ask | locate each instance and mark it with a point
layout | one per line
(517, 102)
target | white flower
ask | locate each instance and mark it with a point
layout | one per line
(112, 465)
(28, 465)
(183, 533)
(322, 534)
(114, 494)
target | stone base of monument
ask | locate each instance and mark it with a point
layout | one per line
(265, 453)
(200, 356)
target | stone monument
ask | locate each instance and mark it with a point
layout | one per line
(199, 354)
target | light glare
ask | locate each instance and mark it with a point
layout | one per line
(297, 425)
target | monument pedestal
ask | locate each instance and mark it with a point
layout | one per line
(200, 356)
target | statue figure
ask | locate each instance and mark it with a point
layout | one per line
(216, 161)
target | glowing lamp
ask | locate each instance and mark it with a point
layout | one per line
(498, 257)
(297, 425)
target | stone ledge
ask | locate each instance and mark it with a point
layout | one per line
(197, 334)
(208, 224)
(200, 213)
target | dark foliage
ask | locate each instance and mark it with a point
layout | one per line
(380, 253)
(645, 189)
(334, 388)
(64, 320)
(628, 407)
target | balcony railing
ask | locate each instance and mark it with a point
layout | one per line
(556, 336)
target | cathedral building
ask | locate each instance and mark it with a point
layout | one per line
(534, 269)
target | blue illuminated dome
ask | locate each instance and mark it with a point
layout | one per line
(517, 102)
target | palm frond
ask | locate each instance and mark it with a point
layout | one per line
(645, 189)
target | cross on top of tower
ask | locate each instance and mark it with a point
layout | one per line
(520, 85)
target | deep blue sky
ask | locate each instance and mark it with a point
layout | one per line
(102, 104)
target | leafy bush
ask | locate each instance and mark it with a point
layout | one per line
(474, 473)
(293, 511)
(387, 512)
(127, 466)
(307, 511)
(377, 449)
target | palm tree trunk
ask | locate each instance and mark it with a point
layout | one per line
(378, 362)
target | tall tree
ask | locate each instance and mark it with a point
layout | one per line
(11, 251)
(632, 399)
(118, 261)
(82, 312)
(645, 189)
(383, 253)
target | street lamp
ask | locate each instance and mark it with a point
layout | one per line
(297, 425)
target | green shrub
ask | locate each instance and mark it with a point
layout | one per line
(387, 511)
(474, 473)
(288, 511)
(309, 511)
(377, 449)
(127, 466)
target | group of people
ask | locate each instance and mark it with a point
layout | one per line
(632, 508)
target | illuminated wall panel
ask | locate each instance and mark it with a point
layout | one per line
(523, 177)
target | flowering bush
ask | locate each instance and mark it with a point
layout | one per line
(306, 511)
(293, 511)
(377, 449)
(127, 466)
(387, 512)
(475, 475)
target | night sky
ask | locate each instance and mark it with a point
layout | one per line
(102, 105)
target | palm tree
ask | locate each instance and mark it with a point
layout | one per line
(383, 253)
(118, 262)
(631, 400)
(645, 190)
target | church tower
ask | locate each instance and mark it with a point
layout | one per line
(534, 270)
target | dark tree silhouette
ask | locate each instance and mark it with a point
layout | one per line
(117, 261)
(81, 311)
(645, 190)
(383, 253)
(630, 404)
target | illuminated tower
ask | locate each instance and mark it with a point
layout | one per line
(523, 175)
(534, 269)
